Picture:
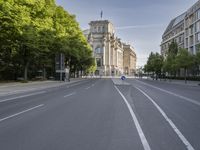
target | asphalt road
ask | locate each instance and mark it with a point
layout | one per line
(96, 114)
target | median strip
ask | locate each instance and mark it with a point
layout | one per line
(19, 113)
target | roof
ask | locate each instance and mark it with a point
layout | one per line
(174, 22)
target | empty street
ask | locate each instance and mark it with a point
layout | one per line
(102, 114)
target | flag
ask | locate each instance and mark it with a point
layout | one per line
(101, 14)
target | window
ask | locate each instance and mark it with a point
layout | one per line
(191, 40)
(186, 31)
(98, 50)
(98, 62)
(99, 29)
(197, 37)
(191, 50)
(198, 14)
(186, 42)
(95, 29)
(197, 27)
(191, 30)
(103, 29)
(180, 39)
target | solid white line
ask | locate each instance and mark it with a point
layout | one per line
(138, 127)
(21, 112)
(176, 130)
(177, 95)
(70, 94)
(9, 99)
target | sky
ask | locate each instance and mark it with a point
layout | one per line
(140, 23)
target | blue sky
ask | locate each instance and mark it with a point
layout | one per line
(138, 22)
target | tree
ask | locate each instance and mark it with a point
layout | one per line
(198, 58)
(33, 32)
(92, 66)
(184, 60)
(169, 64)
(154, 64)
(197, 61)
(173, 48)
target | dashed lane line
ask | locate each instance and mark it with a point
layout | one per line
(22, 96)
(19, 113)
(70, 94)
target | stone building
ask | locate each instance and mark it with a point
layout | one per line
(185, 30)
(129, 59)
(108, 50)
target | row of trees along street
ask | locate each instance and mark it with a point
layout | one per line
(32, 32)
(178, 63)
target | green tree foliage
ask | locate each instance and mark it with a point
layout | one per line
(33, 32)
(169, 64)
(176, 59)
(173, 48)
(184, 60)
(197, 58)
(154, 64)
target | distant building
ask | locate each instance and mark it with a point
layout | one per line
(184, 30)
(112, 56)
(129, 60)
(174, 32)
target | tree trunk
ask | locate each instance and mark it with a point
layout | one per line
(69, 75)
(26, 71)
(81, 71)
(185, 70)
(44, 73)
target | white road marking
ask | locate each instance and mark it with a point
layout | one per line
(9, 99)
(176, 130)
(177, 95)
(79, 82)
(138, 127)
(21, 112)
(70, 94)
(88, 87)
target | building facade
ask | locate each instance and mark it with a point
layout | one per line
(184, 30)
(129, 60)
(108, 50)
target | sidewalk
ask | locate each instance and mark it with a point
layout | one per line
(16, 87)
(180, 82)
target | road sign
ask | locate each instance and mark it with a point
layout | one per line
(123, 78)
